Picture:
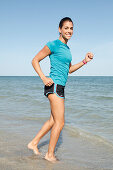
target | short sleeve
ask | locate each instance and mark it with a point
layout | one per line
(50, 45)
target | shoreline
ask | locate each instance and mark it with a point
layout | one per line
(88, 115)
(73, 152)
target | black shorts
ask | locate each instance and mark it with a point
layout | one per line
(55, 88)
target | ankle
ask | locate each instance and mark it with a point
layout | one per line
(50, 154)
(35, 142)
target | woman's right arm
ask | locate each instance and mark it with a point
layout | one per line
(35, 63)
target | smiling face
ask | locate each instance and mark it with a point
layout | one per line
(67, 30)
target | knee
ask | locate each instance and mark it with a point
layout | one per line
(60, 124)
(63, 124)
(51, 121)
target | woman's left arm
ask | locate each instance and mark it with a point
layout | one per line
(88, 57)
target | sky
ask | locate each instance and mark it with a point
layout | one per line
(27, 25)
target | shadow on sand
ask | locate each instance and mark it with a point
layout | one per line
(46, 142)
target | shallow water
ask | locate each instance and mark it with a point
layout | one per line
(88, 130)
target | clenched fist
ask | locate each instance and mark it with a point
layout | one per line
(48, 81)
(89, 57)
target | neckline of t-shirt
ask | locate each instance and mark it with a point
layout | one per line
(62, 43)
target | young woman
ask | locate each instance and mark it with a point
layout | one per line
(54, 85)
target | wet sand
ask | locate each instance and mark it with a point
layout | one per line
(73, 152)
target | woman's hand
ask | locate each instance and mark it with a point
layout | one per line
(88, 57)
(48, 81)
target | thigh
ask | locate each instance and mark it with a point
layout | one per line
(57, 107)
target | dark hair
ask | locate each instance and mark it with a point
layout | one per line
(63, 20)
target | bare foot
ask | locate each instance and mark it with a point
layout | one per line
(34, 148)
(50, 158)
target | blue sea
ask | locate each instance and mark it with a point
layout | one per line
(88, 109)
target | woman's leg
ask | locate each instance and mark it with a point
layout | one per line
(57, 107)
(45, 128)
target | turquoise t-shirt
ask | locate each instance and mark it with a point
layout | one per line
(60, 59)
